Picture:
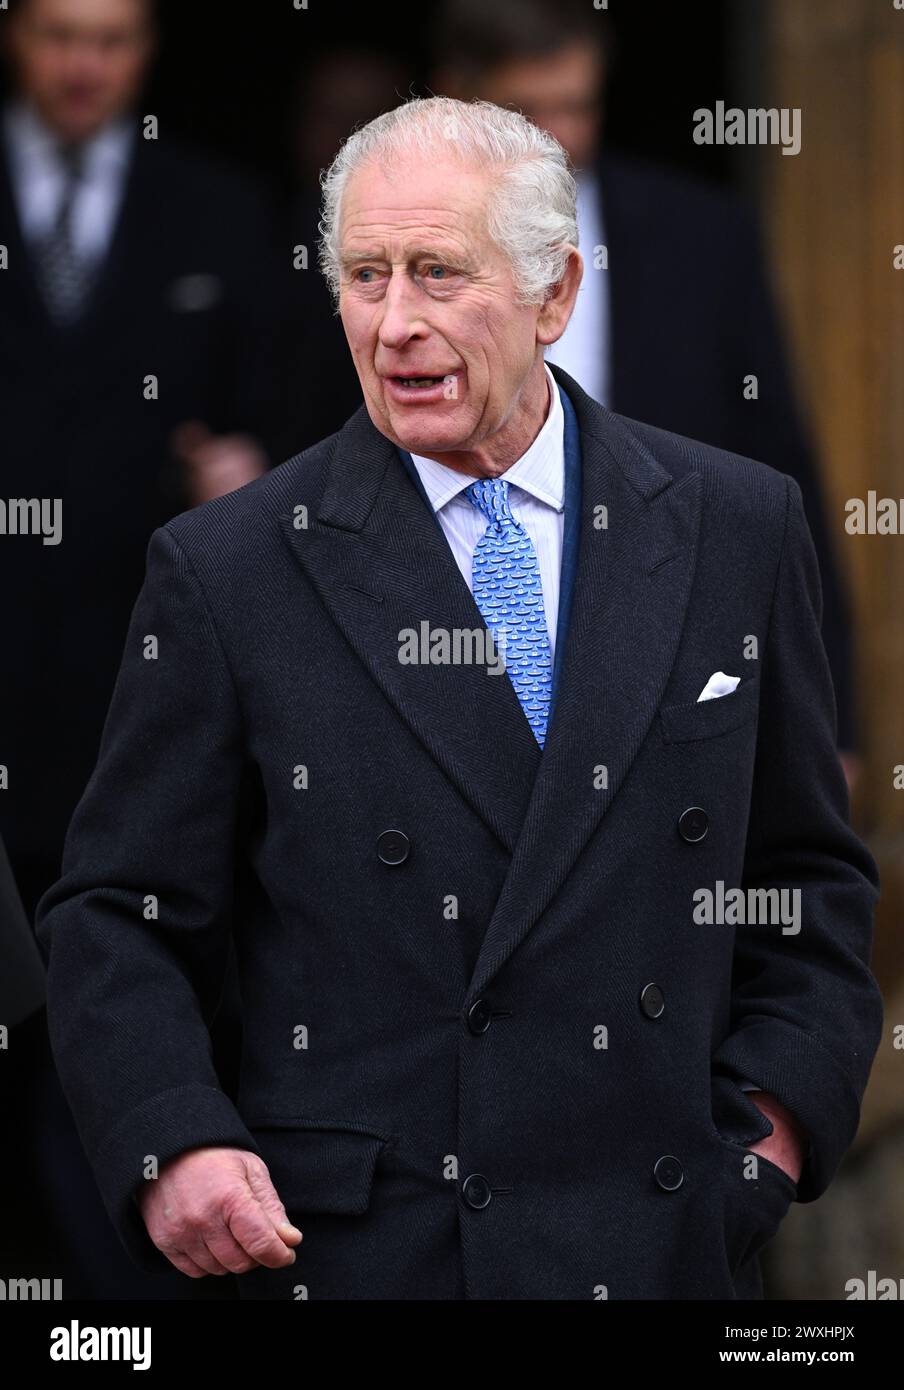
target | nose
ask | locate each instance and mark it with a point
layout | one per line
(400, 322)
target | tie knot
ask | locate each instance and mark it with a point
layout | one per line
(490, 496)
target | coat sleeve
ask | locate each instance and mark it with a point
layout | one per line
(806, 1009)
(137, 929)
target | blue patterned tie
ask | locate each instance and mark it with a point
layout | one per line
(507, 590)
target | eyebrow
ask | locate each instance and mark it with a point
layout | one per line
(419, 253)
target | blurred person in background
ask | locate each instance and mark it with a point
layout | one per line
(342, 88)
(129, 258)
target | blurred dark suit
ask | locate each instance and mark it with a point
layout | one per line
(186, 294)
(22, 989)
(691, 314)
(22, 996)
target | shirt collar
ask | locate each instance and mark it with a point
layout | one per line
(540, 471)
(33, 142)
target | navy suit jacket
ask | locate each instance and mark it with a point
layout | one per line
(487, 1051)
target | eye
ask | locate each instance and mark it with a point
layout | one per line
(362, 271)
(438, 272)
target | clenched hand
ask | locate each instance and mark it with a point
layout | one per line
(215, 1211)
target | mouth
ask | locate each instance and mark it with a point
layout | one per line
(421, 388)
(423, 378)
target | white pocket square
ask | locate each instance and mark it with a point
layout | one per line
(718, 684)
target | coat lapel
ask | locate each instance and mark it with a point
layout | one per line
(23, 301)
(132, 243)
(381, 564)
(631, 590)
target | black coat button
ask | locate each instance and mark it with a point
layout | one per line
(392, 847)
(479, 1016)
(693, 824)
(476, 1191)
(668, 1172)
(652, 1001)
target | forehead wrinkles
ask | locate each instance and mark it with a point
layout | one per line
(423, 224)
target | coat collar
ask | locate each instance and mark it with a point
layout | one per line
(381, 564)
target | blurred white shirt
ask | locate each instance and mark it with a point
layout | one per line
(38, 179)
(584, 349)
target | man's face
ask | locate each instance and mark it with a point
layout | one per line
(560, 92)
(81, 62)
(425, 292)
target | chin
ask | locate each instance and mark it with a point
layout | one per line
(427, 431)
(428, 440)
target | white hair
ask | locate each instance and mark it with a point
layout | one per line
(531, 213)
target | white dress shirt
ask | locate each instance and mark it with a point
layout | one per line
(536, 496)
(584, 350)
(38, 179)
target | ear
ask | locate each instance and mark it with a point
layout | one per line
(554, 314)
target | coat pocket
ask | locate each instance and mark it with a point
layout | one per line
(756, 1192)
(757, 1198)
(735, 1117)
(319, 1165)
(687, 721)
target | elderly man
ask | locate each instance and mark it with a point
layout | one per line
(493, 1049)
